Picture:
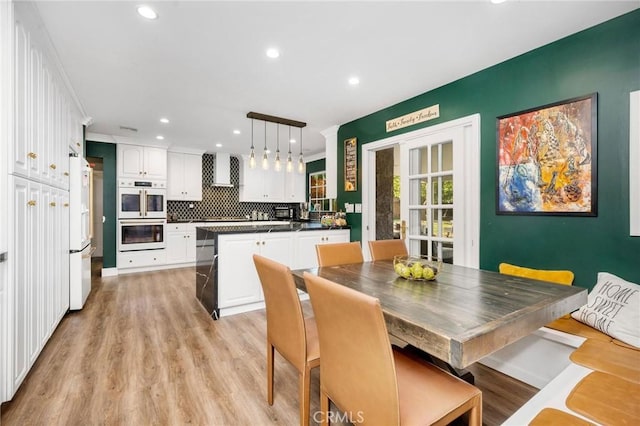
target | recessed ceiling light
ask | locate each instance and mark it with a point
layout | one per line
(147, 12)
(218, 145)
(164, 120)
(236, 132)
(292, 140)
(497, 1)
(354, 81)
(273, 52)
(160, 137)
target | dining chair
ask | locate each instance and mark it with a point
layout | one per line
(294, 336)
(369, 380)
(557, 277)
(339, 253)
(387, 249)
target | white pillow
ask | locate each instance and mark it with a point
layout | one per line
(613, 307)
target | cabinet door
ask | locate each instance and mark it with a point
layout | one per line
(130, 161)
(192, 177)
(23, 154)
(337, 236)
(23, 215)
(237, 277)
(175, 176)
(176, 247)
(252, 182)
(295, 187)
(191, 246)
(155, 163)
(277, 246)
(305, 244)
(274, 185)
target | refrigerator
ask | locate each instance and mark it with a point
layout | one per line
(79, 231)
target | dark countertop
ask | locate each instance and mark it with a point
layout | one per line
(291, 227)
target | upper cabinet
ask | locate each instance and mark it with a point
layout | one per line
(142, 162)
(47, 120)
(184, 176)
(270, 186)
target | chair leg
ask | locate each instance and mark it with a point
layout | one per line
(269, 373)
(304, 385)
(475, 414)
(324, 408)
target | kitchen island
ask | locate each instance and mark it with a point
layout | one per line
(226, 279)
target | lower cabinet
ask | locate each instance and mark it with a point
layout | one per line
(237, 276)
(239, 287)
(141, 259)
(305, 245)
(38, 271)
(181, 243)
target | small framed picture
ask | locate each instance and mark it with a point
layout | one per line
(351, 165)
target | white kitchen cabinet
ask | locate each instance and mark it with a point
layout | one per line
(295, 186)
(238, 282)
(142, 162)
(181, 243)
(184, 176)
(259, 185)
(141, 259)
(305, 245)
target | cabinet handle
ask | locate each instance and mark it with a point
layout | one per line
(144, 173)
(32, 155)
(66, 173)
(66, 204)
(139, 173)
(52, 204)
(52, 166)
(257, 243)
(263, 243)
(31, 203)
(78, 144)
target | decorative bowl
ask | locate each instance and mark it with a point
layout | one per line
(419, 268)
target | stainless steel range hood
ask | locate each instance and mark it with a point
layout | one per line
(222, 170)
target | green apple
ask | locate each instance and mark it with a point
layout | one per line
(427, 273)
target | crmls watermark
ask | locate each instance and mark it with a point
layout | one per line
(347, 416)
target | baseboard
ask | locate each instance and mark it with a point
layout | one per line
(109, 272)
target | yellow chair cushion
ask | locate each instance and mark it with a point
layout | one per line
(557, 277)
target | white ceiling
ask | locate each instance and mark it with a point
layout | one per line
(202, 64)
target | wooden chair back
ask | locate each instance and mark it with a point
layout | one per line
(339, 253)
(387, 249)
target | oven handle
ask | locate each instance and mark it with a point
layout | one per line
(142, 222)
(143, 203)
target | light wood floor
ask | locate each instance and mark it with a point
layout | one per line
(143, 352)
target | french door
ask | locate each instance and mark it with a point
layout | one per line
(439, 190)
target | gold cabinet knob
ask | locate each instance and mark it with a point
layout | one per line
(31, 203)
(78, 144)
(52, 204)
(257, 243)
(66, 173)
(52, 166)
(32, 155)
(66, 204)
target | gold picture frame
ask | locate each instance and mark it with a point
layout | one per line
(351, 165)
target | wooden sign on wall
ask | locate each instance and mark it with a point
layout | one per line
(350, 165)
(425, 114)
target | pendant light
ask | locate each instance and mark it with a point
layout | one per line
(265, 157)
(289, 160)
(252, 154)
(276, 165)
(301, 160)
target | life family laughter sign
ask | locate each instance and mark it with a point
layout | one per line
(416, 117)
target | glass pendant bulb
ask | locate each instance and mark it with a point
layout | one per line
(265, 161)
(277, 165)
(252, 158)
(289, 163)
(301, 164)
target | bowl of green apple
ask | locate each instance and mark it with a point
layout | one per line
(419, 268)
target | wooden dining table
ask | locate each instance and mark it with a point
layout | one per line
(463, 315)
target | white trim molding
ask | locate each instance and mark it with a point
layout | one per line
(634, 163)
(331, 160)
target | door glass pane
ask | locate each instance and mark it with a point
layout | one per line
(418, 191)
(155, 203)
(435, 159)
(417, 222)
(447, 156)
(418, 161)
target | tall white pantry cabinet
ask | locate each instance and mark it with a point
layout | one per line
(40, 124)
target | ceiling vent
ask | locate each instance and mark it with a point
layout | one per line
(131, 129)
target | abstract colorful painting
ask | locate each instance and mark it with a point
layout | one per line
(547, 159)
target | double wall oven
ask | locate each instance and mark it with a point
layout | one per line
(142, 212)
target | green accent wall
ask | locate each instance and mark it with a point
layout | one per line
(603, 59)
(107, 151)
